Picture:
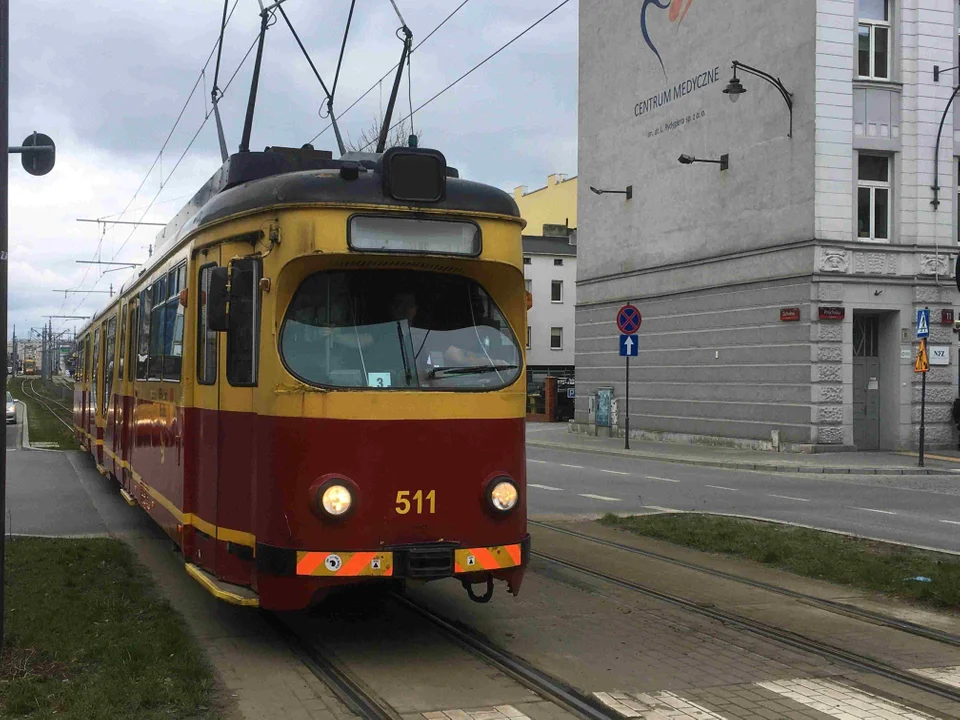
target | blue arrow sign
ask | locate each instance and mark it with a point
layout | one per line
(629, 346)
(923, 323)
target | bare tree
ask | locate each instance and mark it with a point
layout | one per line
(367, 140)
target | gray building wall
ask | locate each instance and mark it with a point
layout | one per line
(712, 257)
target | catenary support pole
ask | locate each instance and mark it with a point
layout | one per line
(4, 144)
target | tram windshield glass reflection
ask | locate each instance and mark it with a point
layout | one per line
(398, 330)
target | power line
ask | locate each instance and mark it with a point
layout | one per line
(474, 68)
(193, 90)
(179, 160)
(384, 76)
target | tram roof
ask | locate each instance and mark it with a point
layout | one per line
(299, 176)
(288, 176)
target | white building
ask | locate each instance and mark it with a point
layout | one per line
(550, 271)
(779, 290)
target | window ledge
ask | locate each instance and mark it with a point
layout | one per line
(556, 302)
(866, 82)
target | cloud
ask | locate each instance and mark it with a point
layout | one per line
(107, 82)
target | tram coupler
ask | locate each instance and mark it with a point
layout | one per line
(485, 598)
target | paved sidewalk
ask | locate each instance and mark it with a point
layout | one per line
(558, 436)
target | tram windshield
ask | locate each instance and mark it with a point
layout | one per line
(398, 329)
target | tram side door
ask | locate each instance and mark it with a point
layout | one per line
(210, 347)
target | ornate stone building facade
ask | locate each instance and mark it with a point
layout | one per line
(780, 289)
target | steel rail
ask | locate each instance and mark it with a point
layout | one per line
(828, 605)
(359, 699)
(527, 675)
(856, 661)
(33, 392)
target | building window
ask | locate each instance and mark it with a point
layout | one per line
(558, 262)
(873, 197)
(873, 49)
(528, 284)
(556, 291)
(529, 336)
(526, 261)
(556, 338)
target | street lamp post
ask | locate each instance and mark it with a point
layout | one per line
(38, 155)
(735, 89)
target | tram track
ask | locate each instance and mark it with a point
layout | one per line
(856, 661)
(832, 606)
(43, 400)
(363, 701)
(355, 695)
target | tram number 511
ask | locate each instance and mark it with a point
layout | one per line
(404, 505)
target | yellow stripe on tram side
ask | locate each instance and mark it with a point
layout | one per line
(238, 537)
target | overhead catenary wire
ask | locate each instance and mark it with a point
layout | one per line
(474, 68)
(394, 67)
(176, 123)
(180, 159)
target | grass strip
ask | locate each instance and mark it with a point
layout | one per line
(89, 637)
(865, 564)
(44, 426)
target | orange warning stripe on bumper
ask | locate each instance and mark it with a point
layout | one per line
(345, 564)
(489, 558)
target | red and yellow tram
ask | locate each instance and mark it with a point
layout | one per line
(317, 380)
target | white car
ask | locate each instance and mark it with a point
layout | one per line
(11, 409)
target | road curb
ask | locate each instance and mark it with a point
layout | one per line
(732, 465)
(24, 428)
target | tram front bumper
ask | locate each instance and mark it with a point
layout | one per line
(424, 561)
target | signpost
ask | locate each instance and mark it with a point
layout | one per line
(922, 366)
(38, 157)
(628, 322)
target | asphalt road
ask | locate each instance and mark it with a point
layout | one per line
(921, 510)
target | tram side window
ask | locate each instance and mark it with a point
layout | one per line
(143, 343)
(132, 342)
(95, 361)
(244, 322)
(173, 324)
(122, 347)
(158, 306)
(108, 364)
(206, 338)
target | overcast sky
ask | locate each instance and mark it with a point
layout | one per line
(106, 79)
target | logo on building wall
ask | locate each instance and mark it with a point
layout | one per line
(678, 10)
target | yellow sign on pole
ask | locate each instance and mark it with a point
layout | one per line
(922, 364)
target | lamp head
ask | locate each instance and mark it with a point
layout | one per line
(598, 192)
(734, 88)
(686, 159)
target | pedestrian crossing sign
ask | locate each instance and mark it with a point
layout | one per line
(922, 364)
(923, 323)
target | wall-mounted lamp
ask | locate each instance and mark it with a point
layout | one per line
(723, 162)
(937, 72)
(628, 192)
(735, 88)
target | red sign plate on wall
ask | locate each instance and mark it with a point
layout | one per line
(831, 313)
(946, 316)
(789, 314)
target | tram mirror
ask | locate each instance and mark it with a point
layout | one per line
(217, 296)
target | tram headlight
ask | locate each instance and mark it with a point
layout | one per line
(336, 500)
(503, 495)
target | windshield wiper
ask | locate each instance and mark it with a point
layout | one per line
(470, 370)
